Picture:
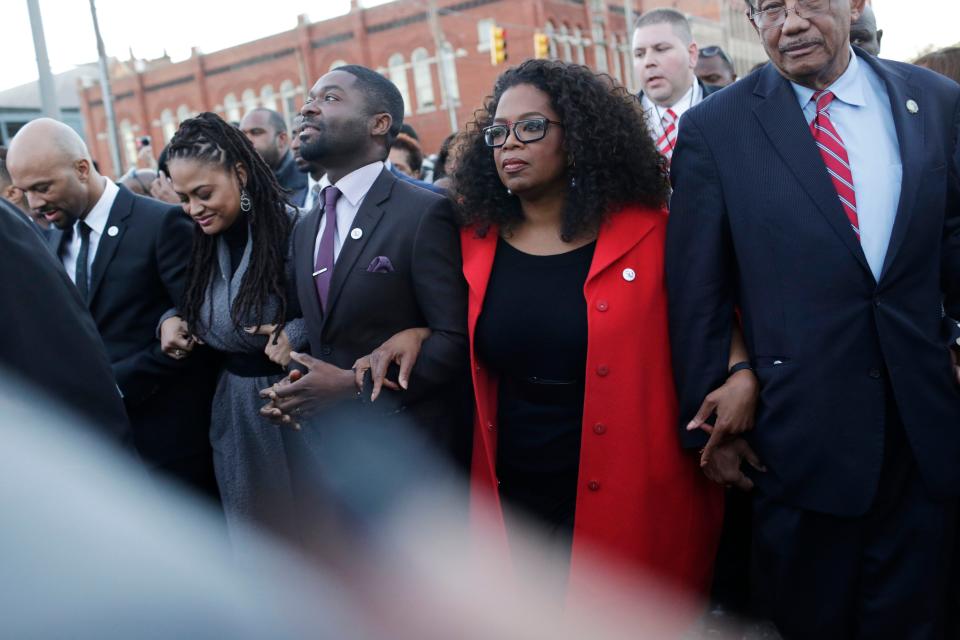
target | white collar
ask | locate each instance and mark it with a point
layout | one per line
(355, 185)
(689, 99)
(311, 182)
(97, 218)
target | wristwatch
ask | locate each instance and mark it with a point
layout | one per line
(740, 366)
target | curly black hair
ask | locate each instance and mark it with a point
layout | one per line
(209, 138)
(611, 156)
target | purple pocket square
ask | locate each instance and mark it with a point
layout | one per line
(380, 264)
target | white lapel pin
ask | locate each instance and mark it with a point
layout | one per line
(912, 106)
(113, 231)
(629, 275)
(357, 233)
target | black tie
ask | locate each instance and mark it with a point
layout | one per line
(83, 279)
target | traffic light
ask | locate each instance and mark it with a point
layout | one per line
(498, 45)
(541, 45)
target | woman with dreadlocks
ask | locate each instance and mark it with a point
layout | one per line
(239, 300)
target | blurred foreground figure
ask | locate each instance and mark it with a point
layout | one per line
(53, 343)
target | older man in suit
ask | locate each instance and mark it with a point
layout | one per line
(127, 256)
(376, 256)
(820, 197)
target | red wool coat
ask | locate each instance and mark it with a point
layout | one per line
(641, 501)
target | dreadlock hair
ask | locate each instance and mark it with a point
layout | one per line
(209, 138)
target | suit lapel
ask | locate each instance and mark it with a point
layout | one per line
(910, 139)
(782, 120)
(303, 254)
(618, 235)
(107, 246)
(54, 238)
(366, 220)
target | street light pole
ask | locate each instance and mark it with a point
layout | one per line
(107, 95)
(438, 40)
(48, 92)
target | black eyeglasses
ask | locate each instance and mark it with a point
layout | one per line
(523, 130)
(714, 50)
(775, 14)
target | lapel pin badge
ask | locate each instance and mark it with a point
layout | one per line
(357, 233)
(113, 231)
(912, 106)
(629, 275)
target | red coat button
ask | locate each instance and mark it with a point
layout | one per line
(602, 305)
(489, 426)
(603, 370)
(594, 485)
(599, 428)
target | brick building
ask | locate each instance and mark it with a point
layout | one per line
(151, 98)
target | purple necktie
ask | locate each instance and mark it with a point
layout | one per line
(323, 269)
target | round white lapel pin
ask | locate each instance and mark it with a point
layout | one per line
(113, 231)
(357, 233)
(912, 106)
(629, 275)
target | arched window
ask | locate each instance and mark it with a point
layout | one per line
(267, 98)
(599, 48)
(129, 146)
(249, 99)
(617, 70)
(167, 124)
(231, 108)
(578, 45)
(423, 79)
(551, 31)
(288, 98)
(564, 39)
(448, 67)
(398, 76)
(338, 63)
(183, 113)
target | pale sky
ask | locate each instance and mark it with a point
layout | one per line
(176, 25)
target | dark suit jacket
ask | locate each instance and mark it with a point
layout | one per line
(755, 221)
(50, 340)
(420, 183)
(289, 177)
(415, 229)
(137, 275)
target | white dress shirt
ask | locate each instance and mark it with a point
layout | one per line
(862, 115)
(655, 112)
(353, 189)
(96, 220)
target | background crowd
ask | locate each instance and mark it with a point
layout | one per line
(705, 332)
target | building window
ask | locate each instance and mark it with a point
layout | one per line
(617, 70)
(564, 39)
(551, 31)
(599, 49)
(578, 45)
(288, 98)
(484, 29)
(231, 107)
(397, 69)
(249, 99)
(129, 146)
(167, 124)
(267, 98)
(183, 113)
(448, 67)
(423, 79)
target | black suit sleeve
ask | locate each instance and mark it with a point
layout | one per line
(701, 277)
(950, 264)
(143, 372)
(441, 291)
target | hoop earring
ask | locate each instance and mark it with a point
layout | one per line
(245, 204)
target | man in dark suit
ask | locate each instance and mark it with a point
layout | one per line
(819, 196)
(390, 261)
(127, 256)
(54, 344)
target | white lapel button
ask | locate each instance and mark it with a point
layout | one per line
(912, 106)
(113, 231)
(357, 233)
(629, 275)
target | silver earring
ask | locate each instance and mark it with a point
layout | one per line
(245, 204)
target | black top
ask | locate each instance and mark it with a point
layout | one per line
(236, 236)
(532, 333)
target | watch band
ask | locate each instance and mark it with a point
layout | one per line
(740, 366)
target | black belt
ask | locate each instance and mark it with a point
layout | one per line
(251, 365)
(542, 390)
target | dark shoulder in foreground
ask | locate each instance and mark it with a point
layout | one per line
(418, 198)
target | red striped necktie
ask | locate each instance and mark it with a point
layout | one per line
(834, 155)
(668, 140)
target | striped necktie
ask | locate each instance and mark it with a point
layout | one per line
(834, 155)
(668, 140)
